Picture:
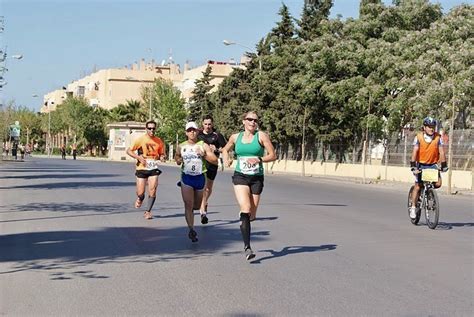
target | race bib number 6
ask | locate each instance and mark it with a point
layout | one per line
(248, 168)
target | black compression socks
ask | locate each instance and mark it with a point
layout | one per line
(245, 228)
(141, 197)
(151, 201)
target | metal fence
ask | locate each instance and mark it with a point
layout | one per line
(394, 151)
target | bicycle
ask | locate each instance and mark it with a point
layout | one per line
(428, 198)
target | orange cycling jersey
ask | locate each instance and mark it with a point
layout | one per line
(150, 147)
(428, 153)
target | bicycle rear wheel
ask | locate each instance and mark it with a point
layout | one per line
(432, 208)
(418, 213)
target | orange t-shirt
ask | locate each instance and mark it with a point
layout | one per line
(428, 153)
(150, 147)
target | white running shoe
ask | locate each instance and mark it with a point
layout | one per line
(413, 212)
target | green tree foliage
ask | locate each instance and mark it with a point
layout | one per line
(313, 13)
(390, 67)
(168, 111)
(201, 101)
(133, 110)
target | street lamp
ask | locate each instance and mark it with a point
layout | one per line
(228, 43)
(48, 138)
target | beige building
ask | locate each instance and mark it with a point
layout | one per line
(108, 88)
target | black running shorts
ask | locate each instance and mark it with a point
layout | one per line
(211, 172)
(255, 182)
(147, 173)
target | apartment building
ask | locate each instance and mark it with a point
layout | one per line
(108, 88)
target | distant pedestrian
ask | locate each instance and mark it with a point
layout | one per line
(22, 151)
(192, 156)
(148, 150)
(250, 146)
(63, 152)
(74, 150)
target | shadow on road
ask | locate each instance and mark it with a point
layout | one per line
(449, 226)
(294, 250)
(74, 185)
(37, 169)
(59, 176)
(60, 253)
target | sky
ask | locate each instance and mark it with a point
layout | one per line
(64, 40)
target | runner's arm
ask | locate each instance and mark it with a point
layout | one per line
(267, 144)
(225, 150)
(177, 157)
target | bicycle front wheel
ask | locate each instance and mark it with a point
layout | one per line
(432, 208)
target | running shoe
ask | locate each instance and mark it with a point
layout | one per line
(204, 219)
(192, 235)
(413, 212)
(249, 255)
(148, 215)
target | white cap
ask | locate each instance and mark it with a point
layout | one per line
(190, 125)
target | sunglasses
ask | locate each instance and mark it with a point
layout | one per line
(252, 120)
(151, 129)
(191, 130)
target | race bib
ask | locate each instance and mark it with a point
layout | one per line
(151, 164)
(248, 168)
(193, 167)
(429, 175)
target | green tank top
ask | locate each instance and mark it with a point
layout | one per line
(193, 164)
(245, 151)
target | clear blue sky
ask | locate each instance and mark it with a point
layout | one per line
(62, 40)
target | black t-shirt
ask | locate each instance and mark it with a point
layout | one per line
(214, 138)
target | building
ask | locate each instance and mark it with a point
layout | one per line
(108, 88)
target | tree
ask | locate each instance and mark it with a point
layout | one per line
(133, 110)
(201, 101)
(169, 110)
(313, 13)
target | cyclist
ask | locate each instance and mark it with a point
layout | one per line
(216, 142)
(427, 152)
(147, 150)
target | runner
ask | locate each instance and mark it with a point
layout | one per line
(191, 155)
(250, 146)
(149, 149)
(216, 142)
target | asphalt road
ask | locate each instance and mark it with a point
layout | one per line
(71, 244)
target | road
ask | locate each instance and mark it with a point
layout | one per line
(71, 244)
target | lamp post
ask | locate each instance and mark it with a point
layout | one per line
(364, 150)
(48, 138)
(228, 43)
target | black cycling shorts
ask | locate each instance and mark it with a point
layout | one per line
(255, 182)
(211, 172)
(147, 173)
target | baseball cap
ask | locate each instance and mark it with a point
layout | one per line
(191, 125)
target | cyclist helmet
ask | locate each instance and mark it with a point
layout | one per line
(429, 121)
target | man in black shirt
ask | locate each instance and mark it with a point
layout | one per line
(216, 141)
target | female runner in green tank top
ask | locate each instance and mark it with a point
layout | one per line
(250, 146)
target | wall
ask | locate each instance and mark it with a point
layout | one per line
(460, 179)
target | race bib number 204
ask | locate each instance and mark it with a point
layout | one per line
(248, 168)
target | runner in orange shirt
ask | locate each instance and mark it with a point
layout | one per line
(147, 150)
